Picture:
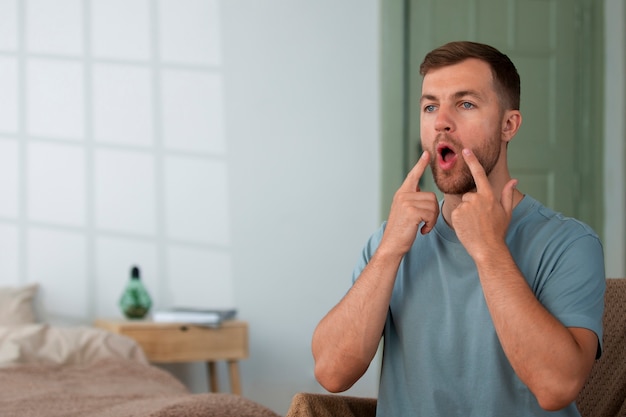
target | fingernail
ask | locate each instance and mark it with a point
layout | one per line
(466, 151)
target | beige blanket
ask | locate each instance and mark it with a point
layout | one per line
(110, 388)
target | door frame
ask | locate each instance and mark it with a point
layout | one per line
(615, 139)
(394, 95)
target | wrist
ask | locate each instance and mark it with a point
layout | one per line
(491, 255)
(389, 253)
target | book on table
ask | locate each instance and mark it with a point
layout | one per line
(201, 317)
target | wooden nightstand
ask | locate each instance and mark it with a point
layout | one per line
(175, 342)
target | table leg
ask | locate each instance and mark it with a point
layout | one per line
(212, 374)
(235, 382)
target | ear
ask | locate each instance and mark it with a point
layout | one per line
(511, 121)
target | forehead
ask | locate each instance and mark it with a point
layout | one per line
(468, 75)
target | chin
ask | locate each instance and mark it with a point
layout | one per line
(454, 184)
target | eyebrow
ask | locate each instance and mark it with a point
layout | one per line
(456, 96)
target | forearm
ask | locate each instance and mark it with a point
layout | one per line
(545, 355)
(346, 340)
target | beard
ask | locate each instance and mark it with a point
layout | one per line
(459, 179)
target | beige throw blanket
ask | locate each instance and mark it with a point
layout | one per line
(110, 388)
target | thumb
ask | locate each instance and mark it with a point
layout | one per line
(506, 198)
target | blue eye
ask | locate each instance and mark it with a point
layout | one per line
(429, 109)
(467, 105)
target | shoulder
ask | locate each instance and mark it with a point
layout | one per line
(547, 225)
(546, 244)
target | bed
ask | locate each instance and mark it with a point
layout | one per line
(48, 370)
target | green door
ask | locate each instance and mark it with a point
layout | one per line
(556, 154)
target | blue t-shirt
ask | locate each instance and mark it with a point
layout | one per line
(441, 354)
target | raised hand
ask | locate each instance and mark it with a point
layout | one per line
(409, 209)
(482, 219)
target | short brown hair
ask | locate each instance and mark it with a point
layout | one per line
(505, 75)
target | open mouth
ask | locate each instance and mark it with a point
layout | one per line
(446, 156)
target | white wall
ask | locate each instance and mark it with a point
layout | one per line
(230, 148)
(301, 82)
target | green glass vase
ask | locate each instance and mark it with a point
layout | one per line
(135, 301)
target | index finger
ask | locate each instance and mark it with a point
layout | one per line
(477, 170)
(411, 183)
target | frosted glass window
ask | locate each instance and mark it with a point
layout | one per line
(55, 102)
(121, 29)
(8, 25)
(9, 178)
(196, 206)
(57, 261)
(189, 31)
(192, 111)
(9, 255)
(9, 99)
(125, 192)
(54, 27)
(56, 184)
(200, 278)
(114, 259)
(122, 105)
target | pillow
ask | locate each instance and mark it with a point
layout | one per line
(16, 305)
(76, 345)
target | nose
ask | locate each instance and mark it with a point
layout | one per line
(444, 122)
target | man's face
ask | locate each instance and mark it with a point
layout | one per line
(460, 109)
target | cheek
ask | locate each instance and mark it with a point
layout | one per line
(480, 134)
(427, 141)
(480, 126)
(427, 121)
(427, 134)
(490, 128)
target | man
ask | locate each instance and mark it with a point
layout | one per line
(490, 304)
